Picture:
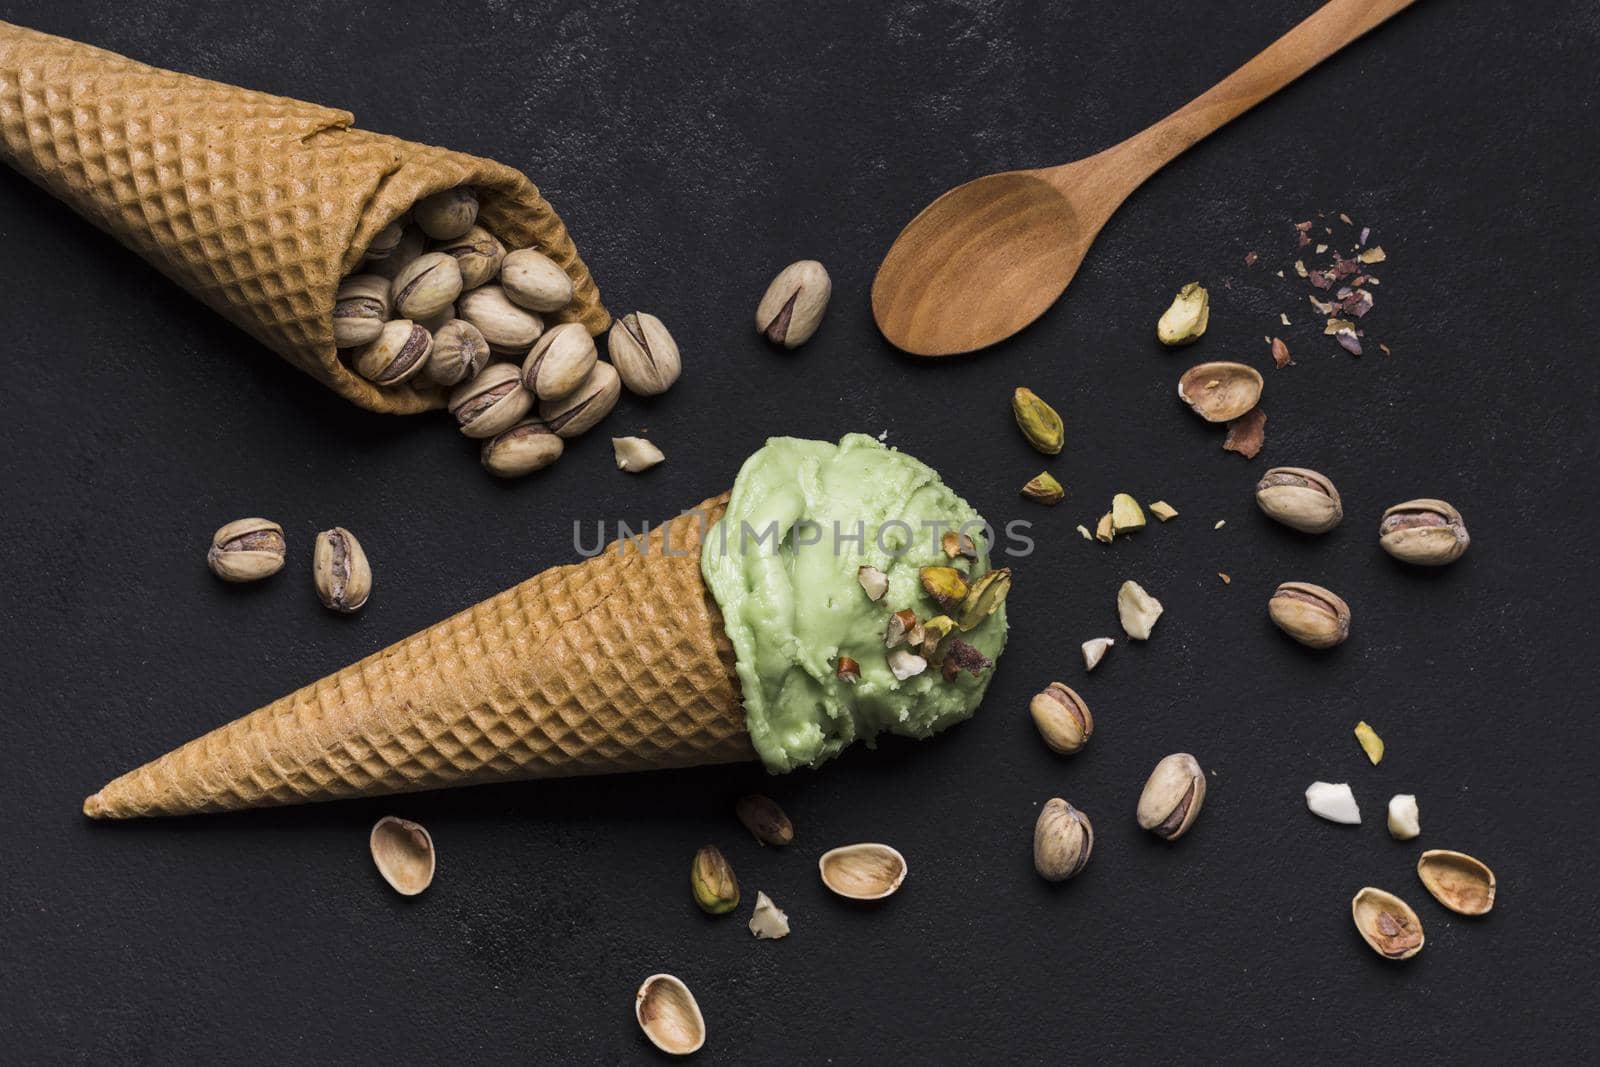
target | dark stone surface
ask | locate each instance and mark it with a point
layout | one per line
(694, 150)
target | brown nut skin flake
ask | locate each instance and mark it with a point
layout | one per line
(1387, 924)
(1247, 434)
(766, 821)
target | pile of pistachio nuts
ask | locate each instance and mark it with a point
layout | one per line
(438, 299)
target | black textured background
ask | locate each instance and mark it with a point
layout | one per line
(694, 150)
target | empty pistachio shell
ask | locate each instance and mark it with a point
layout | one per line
(1063, 838)
(400, 352)
(559, 361)
(1062, 718)
(528, 446)
(478, 254)
(403, 853)
(246, 550)
(1220, 392)
(1299, 498)
(644, 353)
(1312, 615)
(1186, 319)
(793, 305)
(340, 571)
(764, 819)
(535, 281)
(669, 1016)
(1456, 880)
(863, 872)
(1387, 923)
(1429, 533)
(447, 215)
(711, 879)
(360, 308)
(1172, 796)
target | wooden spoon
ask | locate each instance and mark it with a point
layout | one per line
(990, 256)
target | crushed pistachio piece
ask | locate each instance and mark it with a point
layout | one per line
(935, 630)
(944, 584)
(1220, 524)
(1044, 489)
(1126, 514)
(1094, 650)
(1372, 255)
(873, 582)
(902, 624)
(1084, 531)
(1163, 511)
(1137, 610)
(1102, 529)
(848, 670)
(768, 922)
(1370, 742)
(984, 598)
(1185, 321)
(957, 544)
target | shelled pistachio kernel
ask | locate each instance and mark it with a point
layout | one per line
(535, 281)
(1299, 498)
(1126, 514)
(1186, 319)
(1044, 489)
(1038, 422)
(1172, 796)
(792, 307)
(1428, 533)
(360, 308)
(1314, 616)
(426, 287)
(509, 329)
(447, 215)
(246, 550)
(340, 571)
(559, 361)
(1062, 718)
(478, 255)
(528, 446)
(584, 407)
(459, 353)
(492, 402)
(711, 879)
(399, 353)
(644, 353)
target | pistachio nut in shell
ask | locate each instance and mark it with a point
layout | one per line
(448, 214)
(1456, 880)
(340, 571)
(535, 281)
(459, 353)
(1299, 498)
(478, 254)
(426, 287)
(403, 853)
(1220, 392)
(644, 353)
(669, 1016)
(766, 821)
(1062, 718)
(386, 240)
(863, 872)
(246, 550)
(399, 353)
(412, 243)
(792, 307)
(711, 879)
(1063, 838)
(1387, 924)
(1426, 532)
(492, 402)
(1314, 616)
(528, 446)
(1185, 320)
(1038, 421)
(509, 329)
(360, 308)
(585, 406)
(1172, 797)
(559, 361)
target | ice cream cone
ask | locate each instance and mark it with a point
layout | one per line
(619, 663)
(256, 204)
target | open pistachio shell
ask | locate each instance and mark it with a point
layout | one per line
(863, 872)
(1387, 923)
(1456, 880)
(669, 1016)
(1220, 392)
(403, 853)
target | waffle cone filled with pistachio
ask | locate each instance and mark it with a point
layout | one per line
(261, 206)
(837, 593)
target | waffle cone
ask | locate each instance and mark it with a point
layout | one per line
(619, 663)
(256, 204)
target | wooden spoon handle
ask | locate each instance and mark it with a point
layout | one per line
(1328, 29)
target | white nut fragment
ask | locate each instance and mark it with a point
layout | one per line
(906, 664)
(1137, 610)
(635, 454)
(1334, 802)
(1094, 650)
(873, 582)
(768, 921)
(1404, 819)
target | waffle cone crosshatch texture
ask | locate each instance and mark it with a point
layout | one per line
(618, 663)
(255, 204)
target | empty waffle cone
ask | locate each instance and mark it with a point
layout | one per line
(619, 663)
(256, 204)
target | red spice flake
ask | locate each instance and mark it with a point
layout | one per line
(1280, 352)
(1320, 279)
(1348, 341)
(1366, 231)
(1247, 433)
(1250, 259)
